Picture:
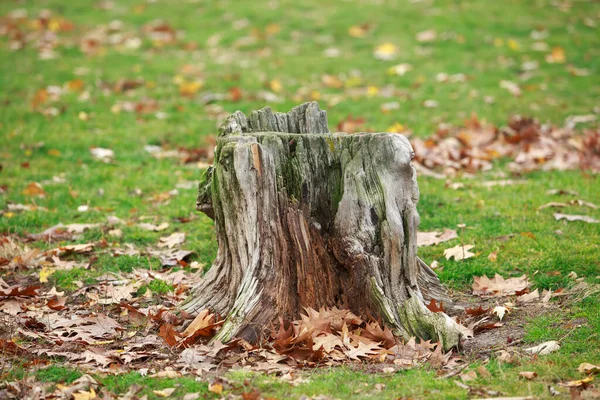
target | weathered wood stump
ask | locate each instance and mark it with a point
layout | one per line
(308, 218)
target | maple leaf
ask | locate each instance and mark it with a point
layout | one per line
(169, 334)
(500, 311)
(362, 349)
(498, 286)
(433, 238)
(477, 311)
(374, 332)
(172, 240)
(202, 325)
(432, 306)
(460, 252)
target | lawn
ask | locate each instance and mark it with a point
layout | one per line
(152, 80)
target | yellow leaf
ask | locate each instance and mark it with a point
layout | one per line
(513, 44)
(272, 29)
(557, 56)
(372, 91)
(54, 152)
(216, 388)
(45, 273)
(386, 51)
(580, 382)
(82, 395)
(9, 214)
(275, 85)
(395, 127)
(190, 88)
(358, 31)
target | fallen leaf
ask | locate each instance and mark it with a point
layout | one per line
(216, 388)
(386, 51)
(468, 376)
(476, 311)
(151, 227)
(500, 311)
(529, 375)
(164, 392)
(34, 189)
(528, 297)
(104, 155)
(571, 218)
(587, 368)
(498, 286)
(459, 252)
(432, 306)
(45, 273)
(544, 348)
(172, 240)
(581, 382)
(433, 238)
(84, 395)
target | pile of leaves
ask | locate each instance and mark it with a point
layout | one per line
(528, 145)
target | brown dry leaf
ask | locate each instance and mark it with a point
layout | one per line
(151, 227)
(477, 311)
(498, 286)
(459, 252)
(169, 334)
(529, 297)
(433, 306)
(34, 189)
(363, 350)
(587, 368)
(468, 376)
(19, 291)
(433, 238)
(164, 392)
(202, 325)
(572, 218)
(172, 240)
(57, 303)
(529, 375)
(552, 204)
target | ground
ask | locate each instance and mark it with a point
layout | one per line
(72, 79)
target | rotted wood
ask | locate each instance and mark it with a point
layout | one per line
(309, 218)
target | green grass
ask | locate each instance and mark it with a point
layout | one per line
(487, 41)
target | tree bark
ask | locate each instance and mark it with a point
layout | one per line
(308, 218)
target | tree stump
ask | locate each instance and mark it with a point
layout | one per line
(309, 218)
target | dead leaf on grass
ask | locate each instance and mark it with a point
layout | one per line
(172, 240)
(498, 286)
(529, 375)
(571, 218)
(459, 252)
(433, 238)
(587, 368)
(544, 348)
(154, 228)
